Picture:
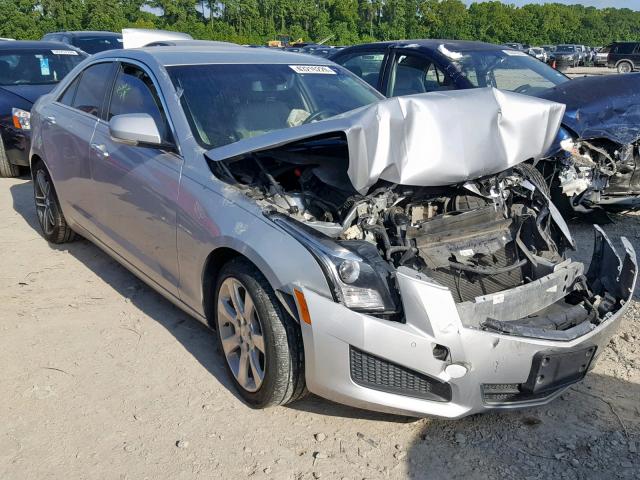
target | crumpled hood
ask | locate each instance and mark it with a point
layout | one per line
(431, 139)
(601, 107)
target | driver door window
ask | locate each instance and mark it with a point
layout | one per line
(516, 78)
(416, 74)
(134, 92)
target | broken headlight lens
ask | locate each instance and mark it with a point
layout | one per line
(356, 281)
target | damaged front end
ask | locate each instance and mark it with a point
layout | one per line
(596, 162)
(448, 297)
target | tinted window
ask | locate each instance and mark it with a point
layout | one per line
(625, 48)
(565, 49)
(92, 87)
(365, 65)
(36, 67)
(226, 103)
(134, 92)
(95, 44)
(67, 97)
(413, 74)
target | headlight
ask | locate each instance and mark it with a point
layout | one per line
(21, 119)
(359, 277)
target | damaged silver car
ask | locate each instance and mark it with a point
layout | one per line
(398, 255)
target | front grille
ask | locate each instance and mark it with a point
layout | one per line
(374, 372)
(465, 287)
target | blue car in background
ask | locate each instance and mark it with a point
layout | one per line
(27, 71)
(593, 165)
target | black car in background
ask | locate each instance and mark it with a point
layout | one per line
(595, 161)
(89, 42)
(624, 56)
(567, 56)
(418, 66)
(27, 71)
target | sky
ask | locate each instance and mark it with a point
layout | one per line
(632, 4)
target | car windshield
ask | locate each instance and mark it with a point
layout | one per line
(98, 43)
(227, 103)
(36, 67)
(565, 49)
(507, 70)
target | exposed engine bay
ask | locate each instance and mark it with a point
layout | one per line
(477, 238)
(596, 173)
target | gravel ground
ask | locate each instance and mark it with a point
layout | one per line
(589, 71)
(102, 378)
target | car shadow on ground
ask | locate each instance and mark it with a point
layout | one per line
(197, 338)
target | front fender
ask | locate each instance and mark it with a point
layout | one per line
(220, 216)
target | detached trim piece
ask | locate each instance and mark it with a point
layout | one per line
(370, 371)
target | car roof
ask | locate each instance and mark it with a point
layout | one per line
(194, 55)
(433, 44)
(31, 45)
(93, 33)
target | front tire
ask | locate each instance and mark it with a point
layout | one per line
(52, 222)
(261, 343)
(7, 169)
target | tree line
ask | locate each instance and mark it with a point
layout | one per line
(344, 22)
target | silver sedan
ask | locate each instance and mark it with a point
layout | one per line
(398, 255)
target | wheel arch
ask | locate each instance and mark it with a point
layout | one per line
(213, 264)
(224, 254)
(35, 159)
(625, 60)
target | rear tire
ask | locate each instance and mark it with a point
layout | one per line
(7, 169)
(52, 222)
(261, 344)
(625, 67)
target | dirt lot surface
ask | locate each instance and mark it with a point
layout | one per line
(104, 379)
(589, 71)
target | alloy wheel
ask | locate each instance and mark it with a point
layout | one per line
(241, 334)
(624, 67)
(44, 202)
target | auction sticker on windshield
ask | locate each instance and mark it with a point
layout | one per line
(319, 69)
(515, 53)
(64, 52)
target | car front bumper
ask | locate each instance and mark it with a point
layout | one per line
(16, 144)
(388, 366)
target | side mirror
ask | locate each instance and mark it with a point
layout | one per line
(135, 128)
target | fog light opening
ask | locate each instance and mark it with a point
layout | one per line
(440, 352)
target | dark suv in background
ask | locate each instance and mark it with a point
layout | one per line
(624, 56)
(89, 42)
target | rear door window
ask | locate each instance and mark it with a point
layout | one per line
(625, 48)
(91, 90)
(416, 74)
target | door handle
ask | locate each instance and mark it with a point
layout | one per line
(50, 119)
(100, 149)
